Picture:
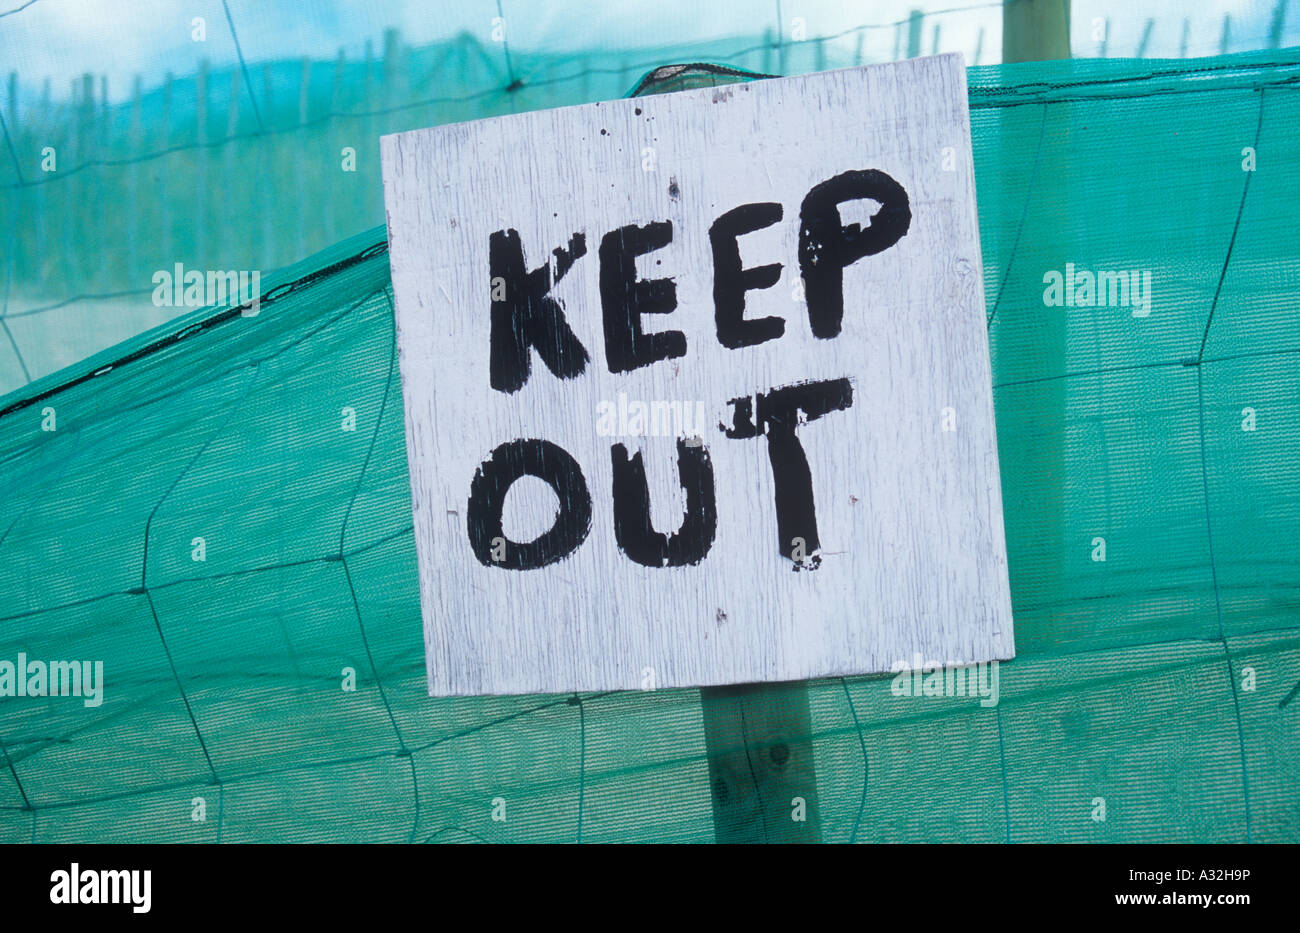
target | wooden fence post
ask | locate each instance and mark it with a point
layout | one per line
(300, 186)
(1145, 40)
(368, 123)
(202, 197)
(164, 196)
(914, 33)
(44, 200)
(85, 203)
(761, 775)
(269, 256)
(133, 270)
(1039, 30)
(233, 243)
(330, 140)
(758, 740)
(1276, 24)
(1035, 30)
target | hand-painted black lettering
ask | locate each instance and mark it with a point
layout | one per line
(624, 298)
(826, 246)
(731, 280)
(487, 498)
(779, 412)
(527, 317)
(633, 530)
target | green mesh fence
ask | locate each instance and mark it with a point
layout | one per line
(1153, 520)
(115, 120)
(178, 153)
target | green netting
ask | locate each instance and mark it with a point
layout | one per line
(1159, 679)
(176, 155)
(118, 125)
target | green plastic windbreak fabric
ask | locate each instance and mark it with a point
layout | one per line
(1149, 463)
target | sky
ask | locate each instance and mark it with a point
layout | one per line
(119, 39)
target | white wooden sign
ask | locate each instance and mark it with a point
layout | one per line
(697, 386)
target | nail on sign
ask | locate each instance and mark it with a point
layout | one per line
(697, 386)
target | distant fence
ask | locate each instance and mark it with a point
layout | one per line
(243, 168)
(256, 165)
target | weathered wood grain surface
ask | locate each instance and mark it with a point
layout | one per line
(909, 514)
(759, 740)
